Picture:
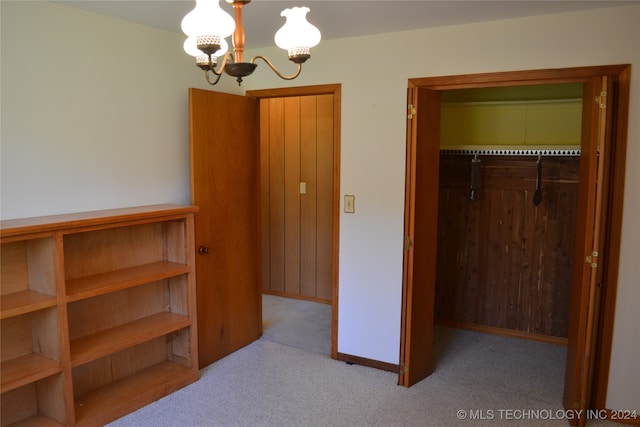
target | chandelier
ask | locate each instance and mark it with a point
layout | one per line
(207, 26)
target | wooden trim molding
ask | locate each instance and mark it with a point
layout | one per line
(613, 237)
(512, 78)
(300, 297)
(620, 74)
(336, 90)
(370, 363)
(502, 331)
(295, 91)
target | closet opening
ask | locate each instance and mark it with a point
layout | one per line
(538, 222)
(508, 190)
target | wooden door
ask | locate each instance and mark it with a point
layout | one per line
(421, 228)
(297, 151)
(585, 288)
(225, 185)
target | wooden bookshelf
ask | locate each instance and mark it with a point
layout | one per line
(23, 302)
(109, 341)
(97, 312)
(91, 286)
(123, 396)
(26, 369)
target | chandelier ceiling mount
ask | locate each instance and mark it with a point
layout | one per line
(207, 26)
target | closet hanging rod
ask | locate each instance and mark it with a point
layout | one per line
(561, 151)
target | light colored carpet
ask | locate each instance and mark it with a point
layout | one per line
(297, 323)
(496, 380)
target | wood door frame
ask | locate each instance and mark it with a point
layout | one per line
(335, 90)
(612, 228)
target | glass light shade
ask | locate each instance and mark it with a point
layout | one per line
(208, 18)
(202, 61)
(297, 32)
(190, 46)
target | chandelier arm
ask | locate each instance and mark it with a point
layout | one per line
(225, 59)
(212, 83)
(275, 70)
(211, 68)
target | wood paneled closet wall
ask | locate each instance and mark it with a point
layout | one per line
(504, 262)
(296, 142)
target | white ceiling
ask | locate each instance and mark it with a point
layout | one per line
(341, 18)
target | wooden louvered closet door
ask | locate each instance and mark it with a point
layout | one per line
(296, 139)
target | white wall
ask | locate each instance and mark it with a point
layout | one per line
(373, 72)
(94, 112)
(79, 137)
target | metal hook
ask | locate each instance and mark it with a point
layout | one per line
(537, 196)
(475, 178)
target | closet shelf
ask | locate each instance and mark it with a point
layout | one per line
(23, 302)
(26, 369)
(512, 150)
(99, 284)
(112, 340)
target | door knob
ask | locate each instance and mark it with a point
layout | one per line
(203, 250)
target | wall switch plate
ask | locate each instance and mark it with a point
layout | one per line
(303, 188)
(349, 203)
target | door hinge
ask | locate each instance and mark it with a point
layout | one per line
(407, 243)
(411, 111)
(592, 259)
(403, 369)
(601, 100)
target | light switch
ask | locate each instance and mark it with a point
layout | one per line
(349, 203)
(303, 188)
